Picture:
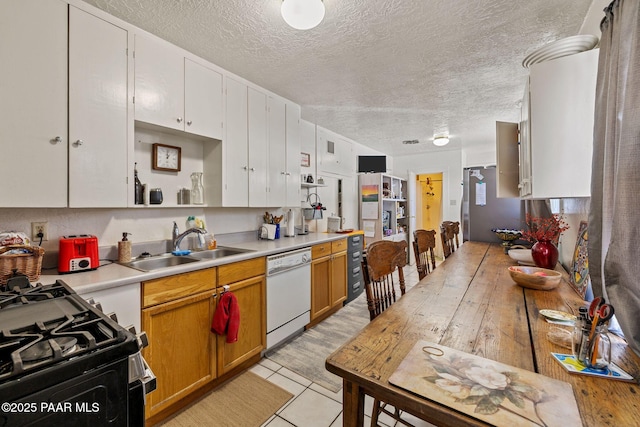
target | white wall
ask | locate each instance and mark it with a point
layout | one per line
(447, 162)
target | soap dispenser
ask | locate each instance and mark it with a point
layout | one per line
(124, 249)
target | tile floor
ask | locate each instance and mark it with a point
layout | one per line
(313, 405)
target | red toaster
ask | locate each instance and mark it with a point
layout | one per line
(78, 253)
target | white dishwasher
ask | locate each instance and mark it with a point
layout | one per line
(288, 294)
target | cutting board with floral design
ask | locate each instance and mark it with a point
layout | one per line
(499, 394)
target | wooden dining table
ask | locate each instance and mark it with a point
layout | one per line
(471, 304)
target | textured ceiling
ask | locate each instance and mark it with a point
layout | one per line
(376, 71)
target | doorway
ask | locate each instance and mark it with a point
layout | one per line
(429, 194)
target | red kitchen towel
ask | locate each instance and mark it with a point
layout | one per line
(227, 317)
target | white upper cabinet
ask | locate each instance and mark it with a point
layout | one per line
(335, 154)
(97, 112)
(258, 148)
(284, 153)
(507, 153)
(293, 154)
(239, 163)
(203, 100)
(561, 115)
(174, 92)
(33, 89)
(277, 152)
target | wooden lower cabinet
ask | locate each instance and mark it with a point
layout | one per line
(328, 278)
(181, 351)
(246, 279)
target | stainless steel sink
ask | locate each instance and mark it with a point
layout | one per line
(219, 252)
(168, 260)
(159, 261)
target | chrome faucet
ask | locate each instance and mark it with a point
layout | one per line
(177, 237)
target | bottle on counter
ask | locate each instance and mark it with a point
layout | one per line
(137, 186)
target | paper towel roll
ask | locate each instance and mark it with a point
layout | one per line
(291, 224)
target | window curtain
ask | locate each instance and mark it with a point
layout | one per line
(614, 226)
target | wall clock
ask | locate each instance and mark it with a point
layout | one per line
(166, 158)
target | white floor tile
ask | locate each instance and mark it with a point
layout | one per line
(311, 409)
(261, 371)
(277, 422)
(287, 384)
(337, 396)
(294, 376)
(270, 364)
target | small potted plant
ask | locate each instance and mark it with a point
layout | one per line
(544, 233)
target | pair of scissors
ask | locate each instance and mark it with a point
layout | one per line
(594, 306)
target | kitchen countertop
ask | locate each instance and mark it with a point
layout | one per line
(114, 275)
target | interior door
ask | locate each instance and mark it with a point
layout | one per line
(411, 201)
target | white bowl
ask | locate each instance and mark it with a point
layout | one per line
(523, 256)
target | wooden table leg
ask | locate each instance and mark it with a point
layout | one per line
(352, 404)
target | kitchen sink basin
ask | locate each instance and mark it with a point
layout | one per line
(160, 261)
(219, 252)
(168, 260)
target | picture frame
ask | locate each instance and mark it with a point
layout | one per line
(305, 160)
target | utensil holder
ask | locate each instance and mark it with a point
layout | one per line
(28, 263)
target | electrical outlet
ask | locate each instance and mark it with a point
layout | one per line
(39, 227)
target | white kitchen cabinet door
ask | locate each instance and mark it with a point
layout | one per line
(159, 83)
(98, 64)
(33, 89)
(335, 154)
(203, 100)
(562, 95)
(292, 154)
(235, 167)
(525, 145)
(258, 148)
(507, 178)
(277, 152)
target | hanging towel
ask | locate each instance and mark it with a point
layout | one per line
(227, 317)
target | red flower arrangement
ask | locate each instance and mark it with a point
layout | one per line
(541, 229)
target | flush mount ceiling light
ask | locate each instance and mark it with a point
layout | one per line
(302, 14)
(441, 140)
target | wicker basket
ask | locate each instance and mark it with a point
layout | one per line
(29, 264)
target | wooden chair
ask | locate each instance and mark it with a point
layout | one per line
(424, 244)
(449, 232)
(383, 258)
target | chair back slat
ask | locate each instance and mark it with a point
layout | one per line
(424, 245)
(384, 257)
(449, 233)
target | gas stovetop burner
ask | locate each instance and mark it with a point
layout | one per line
(45, 324)
(46, 349)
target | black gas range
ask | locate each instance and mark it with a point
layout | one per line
(62, 360)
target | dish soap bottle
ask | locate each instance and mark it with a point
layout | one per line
(137, 186)
(124, 249)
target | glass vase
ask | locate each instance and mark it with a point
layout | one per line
(197, 189)
(545, 254)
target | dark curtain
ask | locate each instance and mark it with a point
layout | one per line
(614, 232)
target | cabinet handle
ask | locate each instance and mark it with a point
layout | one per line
(179, 119)
(245, 168)
(57, 139)
(288, 173)
(283, 173)
(78, 143)
(189, 122)
(253, 169)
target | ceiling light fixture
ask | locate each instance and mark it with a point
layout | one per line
(302, 14)
(441, 140)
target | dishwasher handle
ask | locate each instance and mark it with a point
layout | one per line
(280, 270)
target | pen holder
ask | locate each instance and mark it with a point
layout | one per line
(592, 350)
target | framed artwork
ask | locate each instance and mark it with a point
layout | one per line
(305, 160)
(580, 266)
(490, 391)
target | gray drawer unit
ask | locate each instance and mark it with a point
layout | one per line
(355, 281)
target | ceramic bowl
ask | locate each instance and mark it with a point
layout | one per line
(535, 278)
(522, 256)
